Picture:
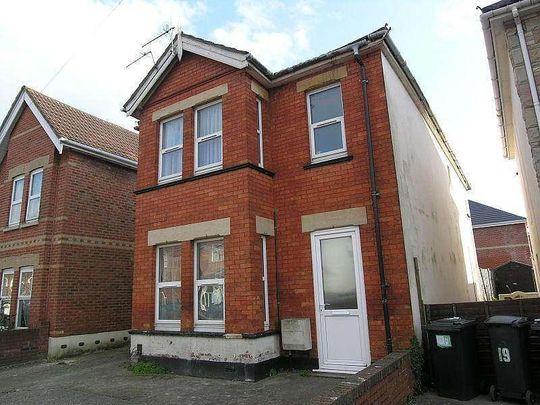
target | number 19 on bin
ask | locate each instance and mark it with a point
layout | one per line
(504, 354)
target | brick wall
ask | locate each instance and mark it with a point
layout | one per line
(387, 381)
(498, 245)
(22, 344)
(83, 239)
(293, 192)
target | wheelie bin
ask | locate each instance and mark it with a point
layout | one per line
(452, 347)
(508, 337)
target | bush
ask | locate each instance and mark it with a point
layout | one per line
(146, 368)
(417, 365)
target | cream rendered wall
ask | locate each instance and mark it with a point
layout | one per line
(527, 175)
(434, 208)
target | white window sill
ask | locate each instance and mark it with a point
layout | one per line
(326, 158)
(168, 327)
(209, 328)
(169, 179)
(207, 170)
(20, 225)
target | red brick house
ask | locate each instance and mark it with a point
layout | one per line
(300, 194)
(502, 246)
(66, 201)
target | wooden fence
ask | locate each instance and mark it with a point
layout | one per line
(482, 310)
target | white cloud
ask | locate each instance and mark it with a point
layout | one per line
(274, 32)
(35, 45)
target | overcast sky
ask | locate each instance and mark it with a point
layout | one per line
(441, 41)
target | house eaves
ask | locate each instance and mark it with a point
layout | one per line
(242, 59)
(23, 99)
(492, 19)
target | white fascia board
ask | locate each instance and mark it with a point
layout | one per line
(15, 113)
(231, 58)
(149, 84)
(100, 154)
(493, 224)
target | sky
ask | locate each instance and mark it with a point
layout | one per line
(77, 51)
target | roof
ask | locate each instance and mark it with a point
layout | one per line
(498, 4)
(244, 60)
(483, 215)
(71, 127)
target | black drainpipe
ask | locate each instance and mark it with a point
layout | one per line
(375, 203)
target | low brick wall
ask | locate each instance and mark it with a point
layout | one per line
(387, 381)
(23, 344)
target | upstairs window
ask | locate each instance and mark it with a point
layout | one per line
(34, 195)
(259, 132)
(16, 201)
(168, 288)
(171, 146)
(326, 127)
(208, 142)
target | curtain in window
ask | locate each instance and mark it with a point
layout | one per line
(209, 120)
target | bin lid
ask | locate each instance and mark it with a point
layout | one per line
(450, 324)
(514, 321)
(536, 325)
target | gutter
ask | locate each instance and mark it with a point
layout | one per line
(98, 153)
(494, 72)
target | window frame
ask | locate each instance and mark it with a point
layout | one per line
(5, 272)
(260, 132)
(12, 202)
(206, 325)
(167, 324)
(212, 166)
(24, 269)
(175, 176)
(334, 154)
(264, 258)
(35, 197)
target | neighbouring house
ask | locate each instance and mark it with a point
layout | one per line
(502, 248)
(66, 247)
(265, 197)
(512, 36)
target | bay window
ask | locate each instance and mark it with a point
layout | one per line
(208, 139)
(34, 195)
(16, 201)
(171, 146)
(209, 285)
(24, 297)
(168, 285)
(326, 125)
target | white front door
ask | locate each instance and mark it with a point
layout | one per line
(340, 300)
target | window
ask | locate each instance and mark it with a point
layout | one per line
(326, 127)
(25, 294)
(34, 195)
(209, 285)
(208, 143)
(16, 201)
(171, 146)
(265, 283)
(259, 132)
(6, 291)
(168, 288)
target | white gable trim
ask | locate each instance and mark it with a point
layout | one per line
(237, 60)
(14, 115)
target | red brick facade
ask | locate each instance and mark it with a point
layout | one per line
(81, 246)
(288, 190)
(498, 245)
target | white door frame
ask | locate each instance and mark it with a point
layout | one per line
(316, 236)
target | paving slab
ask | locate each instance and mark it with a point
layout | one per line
(103, 378)
(431, 398)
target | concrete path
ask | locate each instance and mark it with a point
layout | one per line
(102, 378)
